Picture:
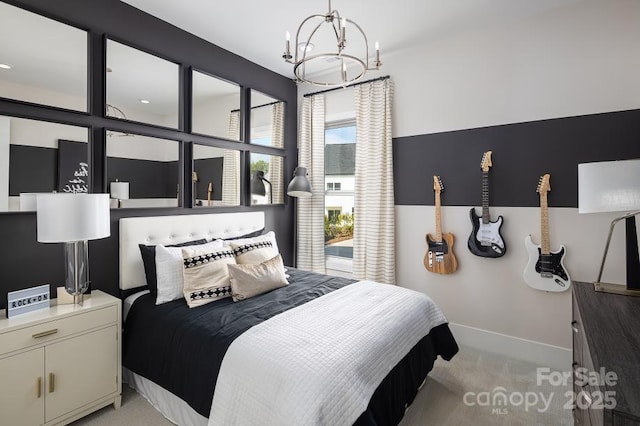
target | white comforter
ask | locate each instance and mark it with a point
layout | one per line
(319, 363)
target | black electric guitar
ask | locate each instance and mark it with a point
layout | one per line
(485, 239)
(545, 270)
(439, 257)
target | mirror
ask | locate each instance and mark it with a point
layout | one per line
(141, 87)
(216, 176)
(142, 171)
(216, 107)
(267, 179)
(267, 120)
(41, 60)
(37, 156)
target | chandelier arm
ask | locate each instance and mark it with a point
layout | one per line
(308, 18)
(355, 79)
(366, 41)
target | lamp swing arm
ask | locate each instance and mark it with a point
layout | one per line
(606, 246)
(304, 55)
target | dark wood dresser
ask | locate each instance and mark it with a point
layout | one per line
(606, 334)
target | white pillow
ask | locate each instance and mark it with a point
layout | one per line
(206, 277)
(255, 250)
(169, 266)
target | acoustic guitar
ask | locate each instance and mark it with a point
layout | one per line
(440, 257)
(485, 239)
(545, 269)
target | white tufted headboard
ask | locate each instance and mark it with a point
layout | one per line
(172, 230)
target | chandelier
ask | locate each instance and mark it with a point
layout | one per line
(329, 31)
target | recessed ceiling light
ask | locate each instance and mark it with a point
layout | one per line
(144, 101)
(5, 66)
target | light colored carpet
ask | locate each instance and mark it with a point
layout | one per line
(440, 402)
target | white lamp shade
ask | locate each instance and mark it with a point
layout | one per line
(609, 186)
(120, 190)
(72, 217)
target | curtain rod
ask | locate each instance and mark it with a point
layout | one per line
(351, 85)
(259, 106)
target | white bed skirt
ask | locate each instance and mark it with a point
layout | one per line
(173, 408)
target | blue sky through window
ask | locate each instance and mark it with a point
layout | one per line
(340, 135)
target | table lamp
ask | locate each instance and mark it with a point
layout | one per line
(73, 219)
(614, 186)
(119, 191)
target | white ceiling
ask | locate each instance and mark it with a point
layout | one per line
(256, 29)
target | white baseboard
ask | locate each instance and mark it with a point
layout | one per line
(538, 353)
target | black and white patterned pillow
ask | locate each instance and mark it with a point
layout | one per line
(205, 275)
(255, 250)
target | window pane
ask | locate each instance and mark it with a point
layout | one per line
(340, 178)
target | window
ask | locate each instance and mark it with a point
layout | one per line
(339, 170)
(333, 214)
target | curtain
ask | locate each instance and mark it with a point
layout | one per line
(310, 212)
(231, 164)
(277, 140)
(374, 222)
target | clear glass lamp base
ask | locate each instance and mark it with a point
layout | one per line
(76, 258)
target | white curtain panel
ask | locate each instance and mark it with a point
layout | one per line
(231, 164)
(310, 253)
(374, 223)
(277, 140)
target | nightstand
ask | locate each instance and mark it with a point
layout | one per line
(62, 363)
(606, 336)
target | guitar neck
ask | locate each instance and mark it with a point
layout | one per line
(545, 247)
(485, 197)
(438, 225)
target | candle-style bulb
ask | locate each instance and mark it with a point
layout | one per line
(287, 36)
(377, 46)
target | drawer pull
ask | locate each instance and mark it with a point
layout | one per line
(39, 392)
(44, 333)
(52, 382)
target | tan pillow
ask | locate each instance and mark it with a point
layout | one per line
(205, 274)
(251, 280)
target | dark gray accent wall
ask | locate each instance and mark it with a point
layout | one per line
(209, 170)
(147, 179)
(522, 152)
(24, 261)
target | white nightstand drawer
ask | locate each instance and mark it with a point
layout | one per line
(55, 329)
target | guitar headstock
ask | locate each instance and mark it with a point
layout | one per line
(485, 164)
(437, 184)
(543, 184)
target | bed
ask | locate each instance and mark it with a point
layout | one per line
(321, 350)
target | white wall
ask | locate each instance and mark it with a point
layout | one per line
(41, 95)
(5, 140)
(142, 148)
(576, 60)
(211, 117)
(579, 59)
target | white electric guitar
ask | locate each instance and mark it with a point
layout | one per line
(545, 270)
